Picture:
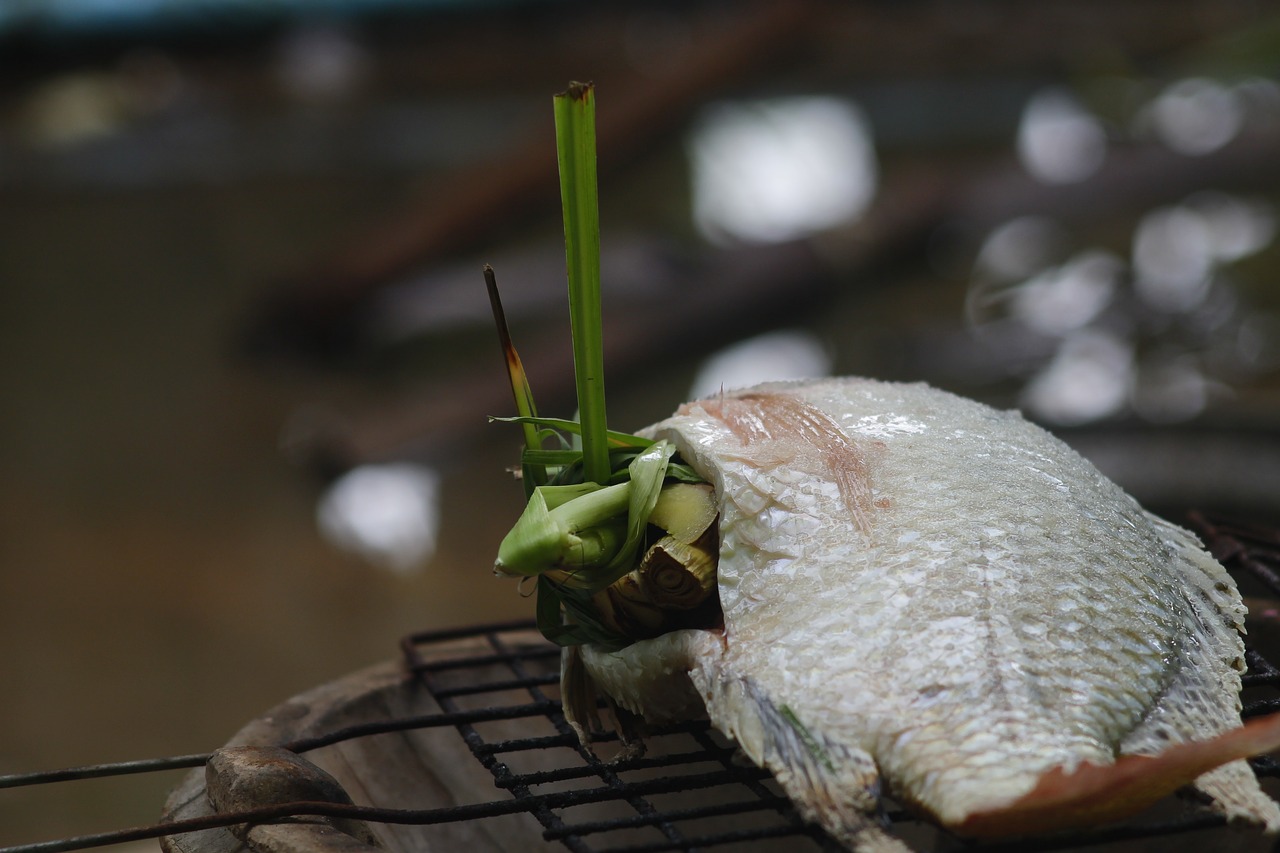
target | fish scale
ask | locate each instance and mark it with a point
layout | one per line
(945, 601)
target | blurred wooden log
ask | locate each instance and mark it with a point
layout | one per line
(314, 308)
(423, 768)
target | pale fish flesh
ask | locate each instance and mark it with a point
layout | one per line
(932, 599)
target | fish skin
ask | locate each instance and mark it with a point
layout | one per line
(930, 598)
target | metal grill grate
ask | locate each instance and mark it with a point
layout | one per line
(689, 792)
(689, 758)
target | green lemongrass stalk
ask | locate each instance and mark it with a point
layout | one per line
(575, 114)
(592, 500)
(534, 473)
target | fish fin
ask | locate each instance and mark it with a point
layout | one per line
(1234, 793)
(1093, 793)
(1210, 589)
(1203, 699)
(832, 784)
(1194, 708)
(650, 678)
(578, 695)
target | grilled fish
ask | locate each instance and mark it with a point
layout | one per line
(928, 598)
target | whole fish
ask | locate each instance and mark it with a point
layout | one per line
(928, 598)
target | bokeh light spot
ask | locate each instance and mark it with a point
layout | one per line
(387, 514)
(1059, 141)
(773, 356)
(769, 171)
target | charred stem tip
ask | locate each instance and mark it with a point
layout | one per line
(578, 91)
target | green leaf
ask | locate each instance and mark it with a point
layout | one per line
(619, 457)
(558, 496)
(575, 118)
(534, 543)
(591, 548)
(564, 526)
(533, 475)
(648, 470)
(548, 613)
(555, 601)
(625, 439)
(683, 473)
(565, 466)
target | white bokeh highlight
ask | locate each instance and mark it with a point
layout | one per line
(388, 514)
(1196, 116)
(777, 170)
(766, 358)
(1059, 141)
(1089, 378)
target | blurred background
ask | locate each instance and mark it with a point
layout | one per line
(246, 356)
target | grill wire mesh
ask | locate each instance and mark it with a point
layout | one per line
(694, 758)
(548, 775)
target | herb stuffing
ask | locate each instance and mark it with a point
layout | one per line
(619, 533)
